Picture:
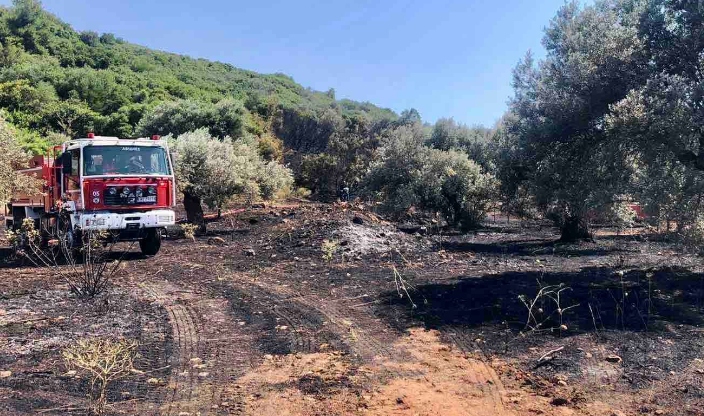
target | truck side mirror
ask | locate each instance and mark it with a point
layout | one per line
(66, 163)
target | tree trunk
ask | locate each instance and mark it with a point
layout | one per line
(574, 229)
(194, 211)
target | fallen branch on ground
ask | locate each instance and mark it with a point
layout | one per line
(548, 355)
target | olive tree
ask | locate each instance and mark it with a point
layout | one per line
(515, 192)
(616, 108)
(346, 159)
(594, 59)
(410, 174)
(13, 158)
(449, 135)
(257, 177)
(212, 171)
(457, 187)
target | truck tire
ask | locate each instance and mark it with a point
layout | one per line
(151, 243)
(70, 239)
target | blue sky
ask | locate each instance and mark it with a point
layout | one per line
(445, 58)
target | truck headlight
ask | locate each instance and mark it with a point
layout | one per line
(112, 191)
(151, 190)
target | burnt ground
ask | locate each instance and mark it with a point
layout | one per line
(251, 319)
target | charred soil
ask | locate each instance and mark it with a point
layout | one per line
(318, 309)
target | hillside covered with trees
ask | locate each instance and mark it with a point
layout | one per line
(55, 79)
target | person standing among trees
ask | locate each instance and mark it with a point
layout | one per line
(344, 193)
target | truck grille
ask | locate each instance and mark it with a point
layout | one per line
(129, 195)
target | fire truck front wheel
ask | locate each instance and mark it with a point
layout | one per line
(151, 243)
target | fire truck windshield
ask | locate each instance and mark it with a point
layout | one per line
(124, 160)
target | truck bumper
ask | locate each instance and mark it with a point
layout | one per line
(126, 221)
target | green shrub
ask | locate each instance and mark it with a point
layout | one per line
(412, 175)
(301, 193)
(227, 118)
(622, 215)
(692, 234)
(273, 180)
(271, 148)
(461, 190)
(319, 173)
(212, 171)
(329, 248)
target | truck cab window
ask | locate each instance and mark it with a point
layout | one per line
(125, 160)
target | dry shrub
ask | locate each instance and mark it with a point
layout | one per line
(545, 306)
(86, 265)
(189, 230)
(102, 361)
(301, 193)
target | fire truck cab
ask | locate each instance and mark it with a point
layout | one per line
(124, 186)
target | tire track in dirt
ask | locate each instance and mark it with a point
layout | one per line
(285, 327)
(368, 346)
(280, 318)
(389, 363)
(199, 373)
(375, 347)
(295, 322)
(180, 388)
(340, 318)
(485, 376)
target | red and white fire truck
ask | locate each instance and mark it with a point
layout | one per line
(123, 186)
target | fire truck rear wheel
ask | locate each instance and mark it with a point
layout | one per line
(151, 243)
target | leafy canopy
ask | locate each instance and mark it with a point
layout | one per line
(411, 175)
(12, 158)
(214, 170)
